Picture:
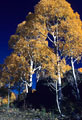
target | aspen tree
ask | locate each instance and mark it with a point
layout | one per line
(12, 71)
(47, 19)
(54, 13)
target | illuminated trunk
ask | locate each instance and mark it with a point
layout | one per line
(59, 86)
(59, 93)
(57, 99)
(38, 76)
(59, 90)
(26, 87)
(31, 72)
(75, 80)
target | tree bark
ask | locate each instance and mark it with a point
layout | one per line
(57, 100)
(58, 63)
(59, 82)
(38, 76)
(31, 72)
(75, 80)
(26, 84)
(59, 87)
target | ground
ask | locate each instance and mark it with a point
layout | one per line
(70, 111)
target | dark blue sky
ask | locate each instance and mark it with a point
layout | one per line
(12, 12)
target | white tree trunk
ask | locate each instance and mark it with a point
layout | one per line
(58, 106)
(75, 80)
(31, 72)
(38, 76)
(59, 92)
(59, 73)
(26, 84)
(59, 83)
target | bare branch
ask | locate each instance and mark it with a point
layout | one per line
(77, 59)
(37, 68)
(50, 39)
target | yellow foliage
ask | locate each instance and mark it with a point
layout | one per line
(15, 66)
(69, 27)
(13, 40)
(21, 24)
(5, 101)
(33, 90)
(13, 97)
(30, 41)
(80, 70)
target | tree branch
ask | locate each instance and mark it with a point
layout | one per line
(37, 68)
(77, 59)
(50, 39)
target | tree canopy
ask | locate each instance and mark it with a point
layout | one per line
(53, 23)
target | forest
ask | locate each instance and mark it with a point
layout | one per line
(40, 72)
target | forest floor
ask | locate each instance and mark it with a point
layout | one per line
(36, 114)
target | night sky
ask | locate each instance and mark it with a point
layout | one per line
(13, 12)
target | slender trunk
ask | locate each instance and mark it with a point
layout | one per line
(26, 87)
(75, 80)
(31, 72)
(38, 76)
(59, 81)
(8, 95)
(59, 86)
(25, 95)
(58, 63)
(57, 100)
